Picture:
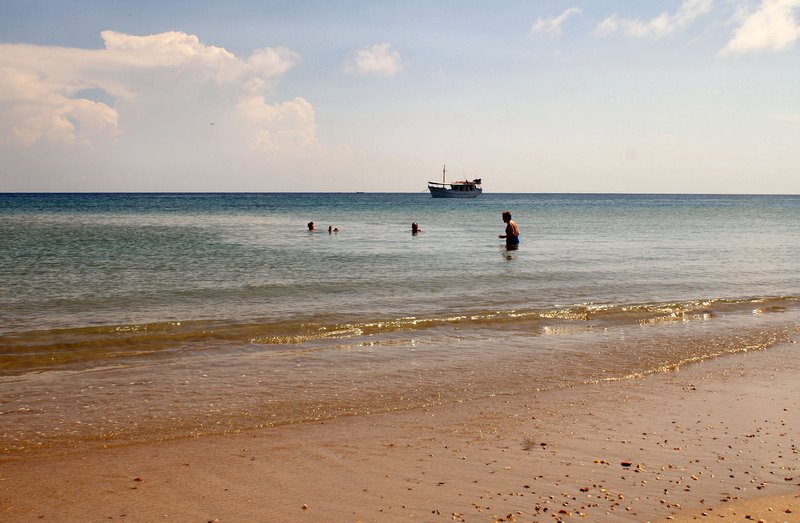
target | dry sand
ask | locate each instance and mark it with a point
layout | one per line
(715, 441)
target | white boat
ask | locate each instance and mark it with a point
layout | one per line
(460, 189)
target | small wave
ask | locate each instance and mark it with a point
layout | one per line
(38, 350)
(766, 310)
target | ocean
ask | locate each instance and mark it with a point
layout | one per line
(131, 318)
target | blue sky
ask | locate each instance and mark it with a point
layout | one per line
(686, 96)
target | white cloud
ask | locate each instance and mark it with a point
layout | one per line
(771, 27)
(273, 62)
(142, 89)
(553, 26)
(661, 26)
(164, 49)
(377, 59)
(40, 104)
(274, 126)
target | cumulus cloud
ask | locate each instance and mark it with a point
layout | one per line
(38, 102)
(661, 26)
(378, 59)
(285, 124)
(164, 49)
(162, 85)
(553, 26)
(771, 27)
(273, 62)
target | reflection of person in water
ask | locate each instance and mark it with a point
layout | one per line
(415, 228)
(512, 232)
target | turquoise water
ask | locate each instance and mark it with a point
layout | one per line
(183, 299)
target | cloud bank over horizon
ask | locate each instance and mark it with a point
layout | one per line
(73, 96)
(142, 94)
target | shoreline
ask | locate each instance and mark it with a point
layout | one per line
(719, 437)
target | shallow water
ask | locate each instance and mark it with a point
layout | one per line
(144, 317)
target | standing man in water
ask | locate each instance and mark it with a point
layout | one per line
(512, 232)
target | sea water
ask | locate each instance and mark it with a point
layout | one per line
(140, 317)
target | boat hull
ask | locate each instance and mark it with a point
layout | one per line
(455, 192)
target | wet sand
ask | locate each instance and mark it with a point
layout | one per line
(712, 441)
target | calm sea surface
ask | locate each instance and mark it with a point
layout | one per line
(139, 317)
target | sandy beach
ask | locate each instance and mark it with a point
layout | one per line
(711, 441)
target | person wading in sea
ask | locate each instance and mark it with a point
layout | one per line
(512, 232)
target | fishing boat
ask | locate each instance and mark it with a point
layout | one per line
(459, 189)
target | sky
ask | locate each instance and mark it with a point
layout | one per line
(684, 96)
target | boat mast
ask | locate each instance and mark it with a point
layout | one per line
(444, 170)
